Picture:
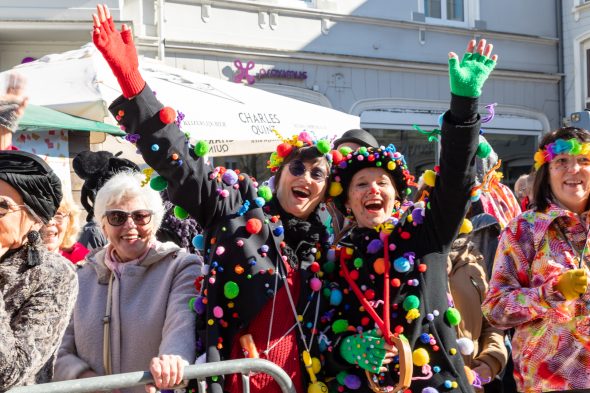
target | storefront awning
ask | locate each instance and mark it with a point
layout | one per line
(38, 118)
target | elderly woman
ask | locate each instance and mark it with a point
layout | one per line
(391, 280)
(60, 234)
(37, 288)
(540, 278)
(261, 294)
(143, 286)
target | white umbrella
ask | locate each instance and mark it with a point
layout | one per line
(238, 119)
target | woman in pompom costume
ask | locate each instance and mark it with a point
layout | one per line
(540, 278)
(263, 247)
(391, 270)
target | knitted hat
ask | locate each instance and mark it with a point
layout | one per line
(95, 168)
(358, 136)
(346, 165)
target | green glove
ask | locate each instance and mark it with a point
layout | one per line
(572, 283)
(367, 350)
(467, 78)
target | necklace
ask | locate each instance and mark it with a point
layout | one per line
(399, 342)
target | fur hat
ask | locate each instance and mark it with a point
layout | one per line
(96, 168)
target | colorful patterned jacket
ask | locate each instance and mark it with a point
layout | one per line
(551, 343)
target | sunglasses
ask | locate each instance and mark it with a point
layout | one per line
(117, 218)
(297, 168)
(7, 207)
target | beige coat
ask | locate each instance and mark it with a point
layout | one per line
(150, 313)
(468, 284)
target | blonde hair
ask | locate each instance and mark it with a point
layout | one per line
(68, 206)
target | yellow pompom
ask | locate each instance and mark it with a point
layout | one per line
(429, 177)
(335, 189)
(413, 314)
(391, 165)
(420, 357)
(316, 366)
(466, 227)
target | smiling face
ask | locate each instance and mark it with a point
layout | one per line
(569, 179)
(371, 197)
(129, 240)
(15, 222)
(302, 186)
(54, 232)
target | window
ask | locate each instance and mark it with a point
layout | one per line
(587, 94)
(451, 12)
(445, 9)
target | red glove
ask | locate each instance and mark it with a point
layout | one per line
(119, 51)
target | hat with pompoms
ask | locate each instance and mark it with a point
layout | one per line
(346, 163)
(303, 139)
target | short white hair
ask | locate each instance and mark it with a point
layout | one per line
(125, 186)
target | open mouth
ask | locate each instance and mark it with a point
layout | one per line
(131, 237)
(300, 192)
(373, 205)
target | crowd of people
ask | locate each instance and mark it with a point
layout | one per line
(342, 268)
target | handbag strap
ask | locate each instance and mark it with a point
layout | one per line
(106, 323)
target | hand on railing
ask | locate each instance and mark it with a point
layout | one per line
(168, 372)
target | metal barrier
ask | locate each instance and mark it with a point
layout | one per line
(139, 378)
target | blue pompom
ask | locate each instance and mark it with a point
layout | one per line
(199, 242)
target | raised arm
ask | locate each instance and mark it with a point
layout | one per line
(163, 146)
(459, 142)
(12, 107)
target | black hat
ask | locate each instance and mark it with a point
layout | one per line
(96, 168)
(388, 158)
(358, 136)
(34, 180)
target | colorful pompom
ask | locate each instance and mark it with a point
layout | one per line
(180, 213)
(158, 183)
(167, 115)
(201, 148)
(253, 226)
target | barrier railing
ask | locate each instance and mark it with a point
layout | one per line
(139, 378)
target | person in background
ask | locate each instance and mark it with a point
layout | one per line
(145, 287)
(523, 188)
(60, 234)
(12, 106)
(540, 278)
(37, 287)
(95, 169)
(352, 140)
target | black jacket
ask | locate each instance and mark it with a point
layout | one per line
(192, 186)
(430, 241)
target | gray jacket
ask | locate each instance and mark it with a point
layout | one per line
(35, 307)
(150, 313)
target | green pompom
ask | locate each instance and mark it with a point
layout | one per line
(191, 303)
(265, 193)
(231, 290)
(345, 150)
(483, 150)
(341, 377)
(201, 148)
(453, 316)
(158, 183)
(340, 326)
(358, 263)
(411, 302)
(362, 150)
(180, 213)
(323, 146)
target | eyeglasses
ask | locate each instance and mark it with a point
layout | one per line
(566, 163)
(297, 168)
(119, 217)
(7, 207)
(60, 217)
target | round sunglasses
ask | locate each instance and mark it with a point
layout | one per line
(297, 168)
(119, 217)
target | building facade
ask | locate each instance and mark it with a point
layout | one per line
(382, 60)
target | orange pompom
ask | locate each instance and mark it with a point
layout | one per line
(284, 149)
(337, 157)
(167, 115)
(253, 226)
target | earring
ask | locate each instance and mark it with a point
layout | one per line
(34, 246)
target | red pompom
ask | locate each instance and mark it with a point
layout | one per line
(167, 115)
(336, 157)
(314, 267)
(284, 149)
(253, 226)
